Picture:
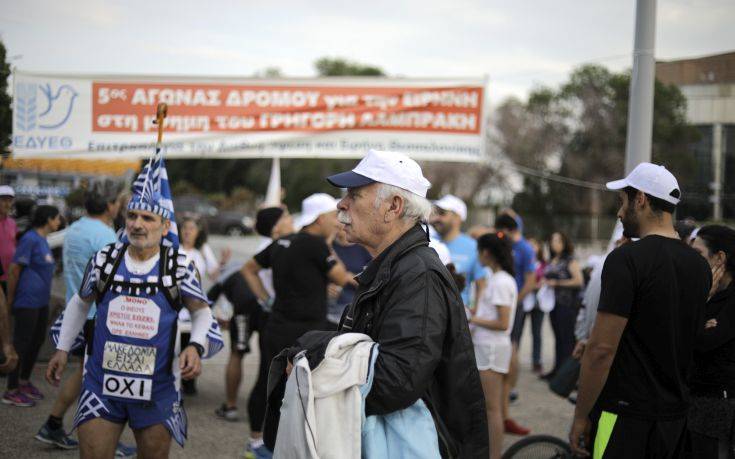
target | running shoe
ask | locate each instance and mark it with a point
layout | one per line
(31, 391)
(261, 452)
(228, 414)
(188, 386)
(548, 376)
(124, 450)
(56, 437)
(512, 427)
(17, 399)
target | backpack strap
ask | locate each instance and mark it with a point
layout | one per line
(172, 268)
(107, 262)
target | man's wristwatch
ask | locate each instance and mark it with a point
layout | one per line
(267, 305)
(198, 347)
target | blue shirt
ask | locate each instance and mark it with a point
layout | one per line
(34, 286)
(463, 250)
(524, 259)
(83, 239)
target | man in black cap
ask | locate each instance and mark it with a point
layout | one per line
(248, 316)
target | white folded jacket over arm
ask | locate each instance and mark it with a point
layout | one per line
(75, 315)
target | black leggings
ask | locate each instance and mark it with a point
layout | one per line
(259, 393)
(28, 336)
(272, 340)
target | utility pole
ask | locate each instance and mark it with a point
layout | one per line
(640, 104)
(716, 185)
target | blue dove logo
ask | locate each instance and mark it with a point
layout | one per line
(49, 111)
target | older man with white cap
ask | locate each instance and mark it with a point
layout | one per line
(408, 303)
(302, 267)
(449, 213)
(633, 396)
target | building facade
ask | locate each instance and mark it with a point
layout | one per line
(708, 83)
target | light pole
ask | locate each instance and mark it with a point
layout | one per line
(640, 102)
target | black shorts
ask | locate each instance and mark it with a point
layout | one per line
(619, 436)
(88, 335)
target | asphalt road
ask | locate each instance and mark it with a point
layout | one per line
(210, 437)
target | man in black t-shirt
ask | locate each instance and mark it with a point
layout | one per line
(633, 396)
(302, 267)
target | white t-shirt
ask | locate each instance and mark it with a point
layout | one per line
(204, 260)
(501, 290)
(442, 250)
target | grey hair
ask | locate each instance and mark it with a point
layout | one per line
(415, 208)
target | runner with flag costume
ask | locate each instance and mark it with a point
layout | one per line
(133, 364)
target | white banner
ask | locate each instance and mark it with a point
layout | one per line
(112, 117)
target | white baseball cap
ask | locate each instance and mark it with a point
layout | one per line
(389, 167)
(314, 206)
(6, 190)
(653, 180)
(453, 204)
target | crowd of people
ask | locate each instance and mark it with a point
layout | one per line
(644, 334)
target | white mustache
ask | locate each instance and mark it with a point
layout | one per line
(343, 218)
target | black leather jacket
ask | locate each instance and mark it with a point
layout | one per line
(408, 303)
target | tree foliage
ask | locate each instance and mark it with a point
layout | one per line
(6, 115)
(579, 131)
(327, 66)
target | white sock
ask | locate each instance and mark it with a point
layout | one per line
(256, 442)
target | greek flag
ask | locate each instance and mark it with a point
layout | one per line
(55, 332)
(152, 192)
(215, 342)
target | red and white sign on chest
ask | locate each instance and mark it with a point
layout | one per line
(133, 317)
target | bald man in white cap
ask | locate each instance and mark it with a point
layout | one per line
(449, 214)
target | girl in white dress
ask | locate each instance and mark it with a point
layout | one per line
(491, 326)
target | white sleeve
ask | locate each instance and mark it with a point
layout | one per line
(201, 320)
(210, 260)
(75, 315)
(502, 293)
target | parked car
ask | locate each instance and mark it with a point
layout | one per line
(231, 223)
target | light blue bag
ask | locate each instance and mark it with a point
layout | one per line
(405, 434)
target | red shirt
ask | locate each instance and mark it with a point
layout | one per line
(8, 231)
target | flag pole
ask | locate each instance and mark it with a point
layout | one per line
(161, 112)
(273, 195)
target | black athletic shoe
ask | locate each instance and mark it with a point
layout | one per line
(228, 414)
(56, 437)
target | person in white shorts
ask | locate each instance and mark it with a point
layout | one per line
(491, 326)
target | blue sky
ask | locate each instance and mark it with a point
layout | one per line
(519, 45)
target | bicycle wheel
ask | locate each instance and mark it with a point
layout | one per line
(539, 447)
